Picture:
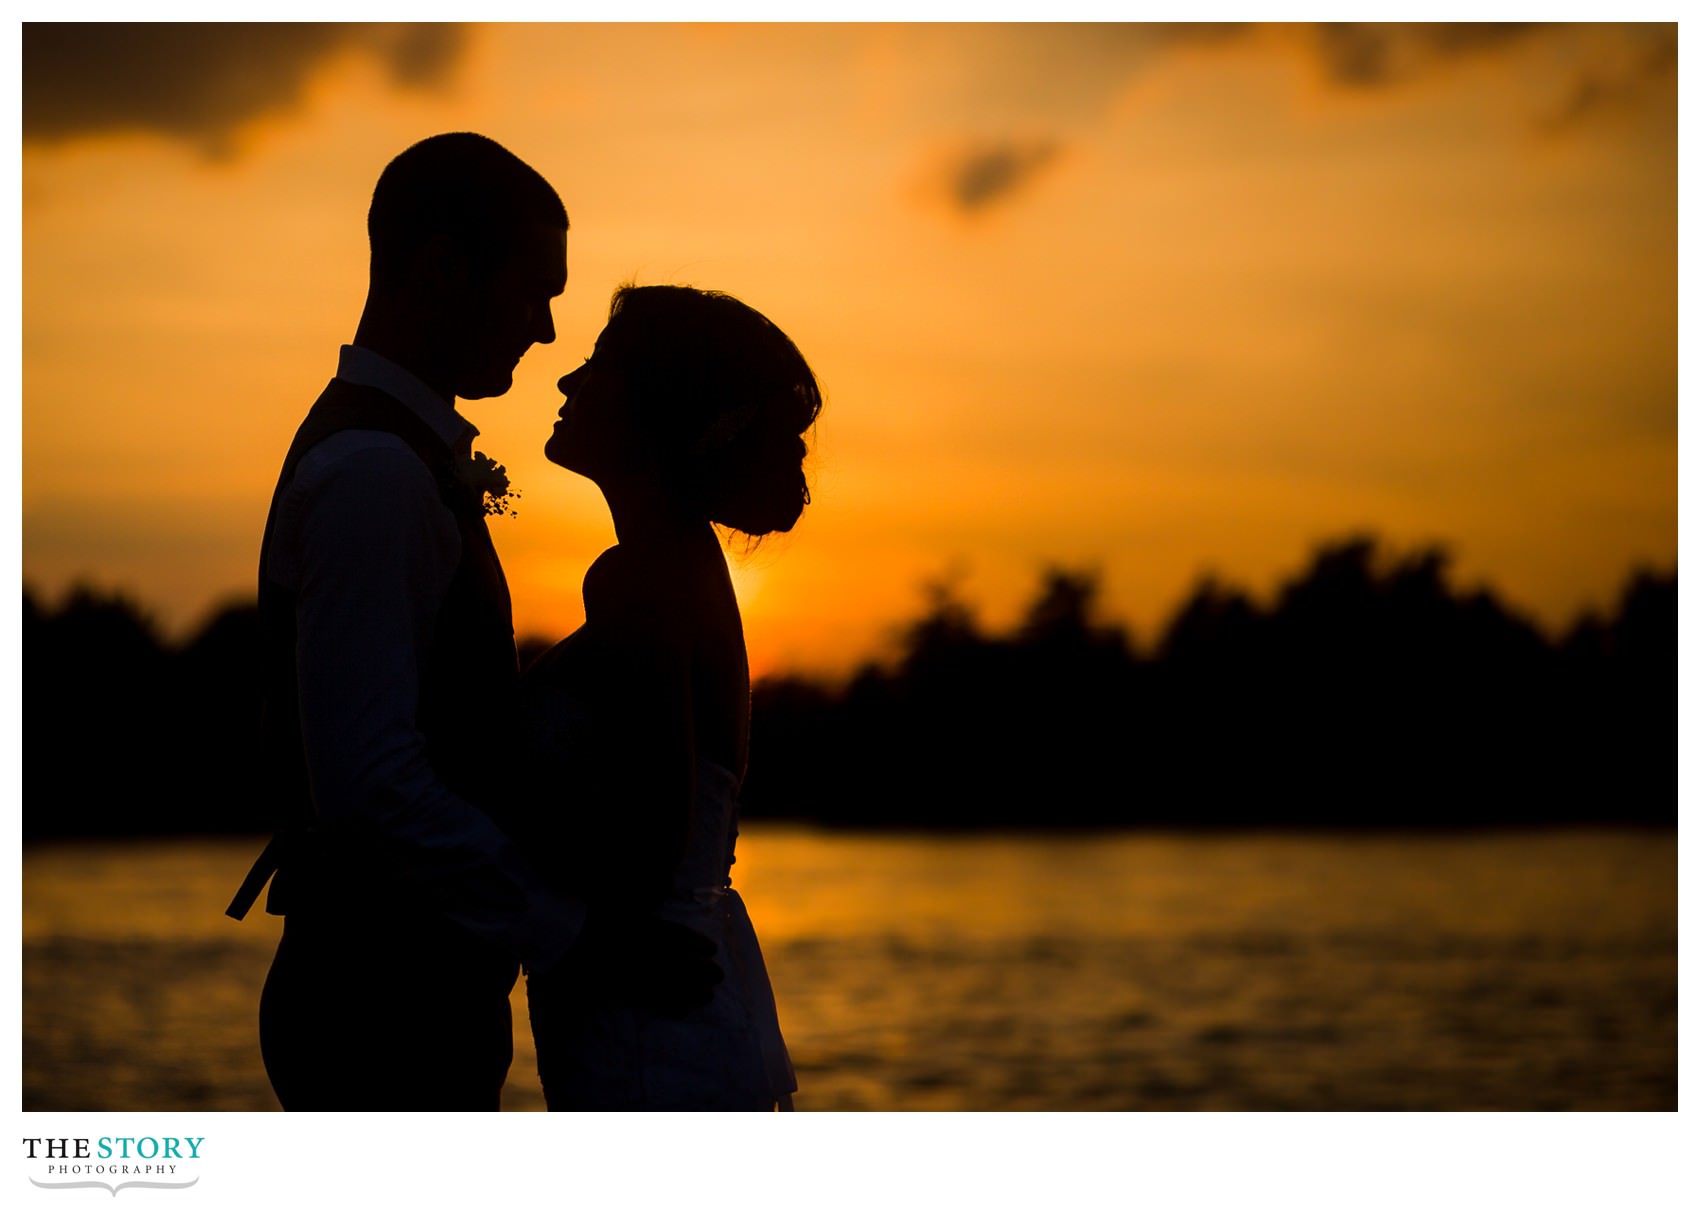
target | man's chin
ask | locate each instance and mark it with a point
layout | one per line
(484, 389)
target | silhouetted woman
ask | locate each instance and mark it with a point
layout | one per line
(690, 414)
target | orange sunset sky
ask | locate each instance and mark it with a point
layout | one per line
(1160, 300)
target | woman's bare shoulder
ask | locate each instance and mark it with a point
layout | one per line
(651, 582)
(625, 582)
(638, 598)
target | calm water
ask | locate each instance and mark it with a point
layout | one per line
(1121, 971)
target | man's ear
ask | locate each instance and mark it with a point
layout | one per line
(440, 268)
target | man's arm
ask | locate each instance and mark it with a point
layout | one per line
(369, 550)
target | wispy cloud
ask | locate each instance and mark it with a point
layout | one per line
(1060, 79)
(973, 177)
(1591, 69)
(1614, 82)
(1361, 56)
(202, 82)
(977, 176)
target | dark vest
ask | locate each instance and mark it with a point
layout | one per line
(469, 679)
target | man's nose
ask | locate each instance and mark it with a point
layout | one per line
(547, 329)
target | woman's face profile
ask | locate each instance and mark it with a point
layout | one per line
(591, 433)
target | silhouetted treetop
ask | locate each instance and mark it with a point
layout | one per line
(1368, 691)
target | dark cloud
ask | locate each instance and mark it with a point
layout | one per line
(1349, 54)
(202, 82)
(1606, 67)
(1616, 83)
(977, 176)
(1600, 67)
(1376, 56)
(1064, 76)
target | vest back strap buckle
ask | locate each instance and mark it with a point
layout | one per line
(264, 868)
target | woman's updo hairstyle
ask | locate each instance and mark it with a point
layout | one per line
(721, 395)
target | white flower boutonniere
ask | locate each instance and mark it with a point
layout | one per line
(486, 482)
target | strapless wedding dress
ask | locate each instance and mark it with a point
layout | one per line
(728, 1055)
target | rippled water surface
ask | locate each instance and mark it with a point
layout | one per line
(1115, 971)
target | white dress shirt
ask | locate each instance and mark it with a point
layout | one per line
(363, 541)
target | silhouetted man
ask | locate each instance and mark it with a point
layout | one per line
(390, 658)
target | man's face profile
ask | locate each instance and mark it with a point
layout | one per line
(506, 309)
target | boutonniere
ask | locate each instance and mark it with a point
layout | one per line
(486, 482)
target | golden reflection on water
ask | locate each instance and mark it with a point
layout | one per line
(801, 883)
(1518, 970)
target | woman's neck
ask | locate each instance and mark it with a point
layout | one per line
(645, 511)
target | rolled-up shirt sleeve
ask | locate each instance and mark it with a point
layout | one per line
(369, 549)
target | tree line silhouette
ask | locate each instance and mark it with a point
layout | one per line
(1368, 693)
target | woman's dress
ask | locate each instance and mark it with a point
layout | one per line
(596, 1052)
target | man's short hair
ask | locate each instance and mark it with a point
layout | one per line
(463, 185)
